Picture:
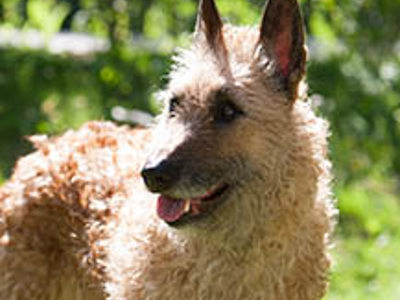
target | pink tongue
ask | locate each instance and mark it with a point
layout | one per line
(170, 210)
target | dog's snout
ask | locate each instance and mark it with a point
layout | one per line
(161, 177)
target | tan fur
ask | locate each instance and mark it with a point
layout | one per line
(77, 223)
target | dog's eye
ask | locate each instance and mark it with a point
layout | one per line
(173, 104)
(226, 112)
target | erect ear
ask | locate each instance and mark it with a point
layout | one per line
(282, 39)
(209, 25)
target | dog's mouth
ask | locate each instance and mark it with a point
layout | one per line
(175, 210)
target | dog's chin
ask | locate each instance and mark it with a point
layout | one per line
(176, 211)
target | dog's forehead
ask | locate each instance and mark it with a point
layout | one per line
(196, 81)
(198, 72)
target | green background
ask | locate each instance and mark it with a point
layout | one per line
(353, 74)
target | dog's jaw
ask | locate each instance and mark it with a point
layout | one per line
(176, 211)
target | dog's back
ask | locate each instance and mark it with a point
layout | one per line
(241, 205)
(53, 209)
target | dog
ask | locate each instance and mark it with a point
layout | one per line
(227, 197)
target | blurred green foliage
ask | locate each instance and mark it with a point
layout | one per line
(42, 93)
(354, 78)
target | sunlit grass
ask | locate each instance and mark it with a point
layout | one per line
(366, 268)
(367, 253)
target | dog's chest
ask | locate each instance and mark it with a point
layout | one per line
(201, 275)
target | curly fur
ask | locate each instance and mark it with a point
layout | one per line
(76, 221)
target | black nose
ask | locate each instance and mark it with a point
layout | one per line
(161, 177)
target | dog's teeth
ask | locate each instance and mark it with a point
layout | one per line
(187, 206)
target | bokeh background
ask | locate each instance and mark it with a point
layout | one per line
(63, 62)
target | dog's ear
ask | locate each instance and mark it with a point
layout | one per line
(282, 40)
(209, 26)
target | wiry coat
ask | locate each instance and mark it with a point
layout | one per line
(76, 221)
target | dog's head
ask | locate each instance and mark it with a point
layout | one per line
(223, 134)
